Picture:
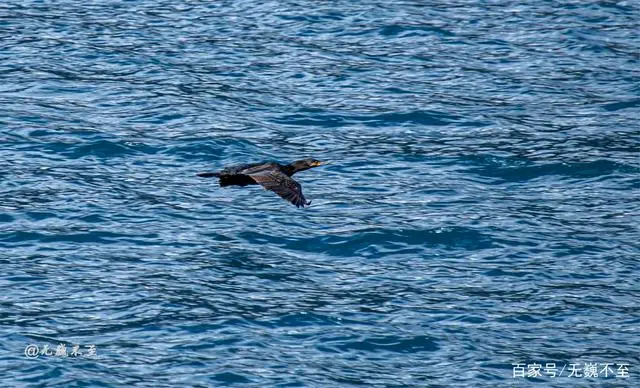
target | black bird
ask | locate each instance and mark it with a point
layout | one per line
(271, 175)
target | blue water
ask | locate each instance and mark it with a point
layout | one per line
(482, 208)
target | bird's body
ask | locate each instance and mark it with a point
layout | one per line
(271, 175)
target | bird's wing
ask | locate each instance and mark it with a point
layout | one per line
(259, 168)
(237, 169)
(282, 185)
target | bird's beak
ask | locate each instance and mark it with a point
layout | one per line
(316, 164)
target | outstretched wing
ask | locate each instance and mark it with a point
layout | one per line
(282, 185)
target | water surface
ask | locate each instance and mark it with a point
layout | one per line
(482, 207)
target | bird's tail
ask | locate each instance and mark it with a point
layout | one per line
(209, 174)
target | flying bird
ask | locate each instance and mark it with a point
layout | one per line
(272, 176)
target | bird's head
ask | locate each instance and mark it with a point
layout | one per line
(305, 164)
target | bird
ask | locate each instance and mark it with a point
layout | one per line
(272, 176)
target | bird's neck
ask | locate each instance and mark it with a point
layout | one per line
(289, 169)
